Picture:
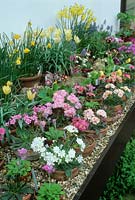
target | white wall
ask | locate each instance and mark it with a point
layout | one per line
(15, 14)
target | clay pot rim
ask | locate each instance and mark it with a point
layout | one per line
(30, 78)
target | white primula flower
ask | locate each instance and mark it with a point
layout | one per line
(81, 143)
(101, 113)
(62, 154)
(71, 153)
(50, 158)
(56, 150)
(37, 144)
(80, 159)
(68, 159)
(71, 129)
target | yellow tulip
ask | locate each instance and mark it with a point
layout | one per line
(16, 36)
(30, 95)
(6, 89)
(119, 72)
(26, 50)
(128, 60)
(9, 83)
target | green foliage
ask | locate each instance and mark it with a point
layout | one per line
(50, 191)
(15, 190)
(126, 20)
(18, 167)
(92, 105)
(123, 179)
(54, 134)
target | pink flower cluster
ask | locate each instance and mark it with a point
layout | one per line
(92, 118)
(2, 133)
(80, 124)
(22, 153)
(113, 78)
(68, 102)
(48, 168)
(87, 90)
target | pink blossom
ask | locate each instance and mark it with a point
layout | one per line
(88, 114)
(22, 153)
(126, 75)
(101, 113)
(106, 94)
(2, 133)
(95, 120)
(71, 112)
(80, 124)
(131, 67)
(48, 168)
(72, 98)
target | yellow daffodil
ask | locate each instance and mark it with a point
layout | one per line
(6, 89)
(11, 43)
(128, 60)
(26, 50)
(30, 95)
(119, 72)
(18, 61)
(49, 45)
(9, 83)
(76, 39)
(68, 34)
(16, 36)
(101, 73)
(32, 43)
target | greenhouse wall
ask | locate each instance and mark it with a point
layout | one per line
(15, 14)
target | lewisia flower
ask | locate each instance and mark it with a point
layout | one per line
(109, 85)
(26, 50)
(119, 92)
(48, 168)
(88, 114)
(125, 88)
(30, 95)
(95, 120)
(2, 133)
(22, 153)
(6, 89)
(106, 94)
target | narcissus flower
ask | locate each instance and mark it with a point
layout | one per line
(26, 50)
(32, 43)
(18, 61)
(16, 36)
(76, 39)
(30, 95)
(49, 45)
(9, 83)
(6, 89)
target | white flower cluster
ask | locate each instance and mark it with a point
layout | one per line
(126, 89)
(81, 144)
(71, 129)
(56, 154)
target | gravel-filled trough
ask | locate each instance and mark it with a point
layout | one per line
(94, 184)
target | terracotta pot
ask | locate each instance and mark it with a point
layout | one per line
(111, 120)
(1, 164)
(26, 178)
(90, 145)
(93, 133)
(118, 109)
(61, 176)
(29, 82)
(30, 155)
(27, 197)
